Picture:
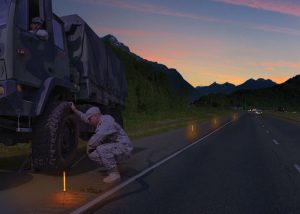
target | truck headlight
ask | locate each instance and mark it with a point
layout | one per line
(2, 91)
(19, 88)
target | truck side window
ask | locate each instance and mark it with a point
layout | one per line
(22, 14)
(26, 11)
(34, 10)
(58, 34)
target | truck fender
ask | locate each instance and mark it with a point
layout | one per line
(46, 89)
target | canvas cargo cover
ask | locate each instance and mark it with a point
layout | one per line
(94, 60)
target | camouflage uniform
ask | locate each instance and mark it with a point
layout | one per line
(110, 144)
(40, 33)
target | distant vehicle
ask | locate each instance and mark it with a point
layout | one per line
(39, 77)
(258, 112)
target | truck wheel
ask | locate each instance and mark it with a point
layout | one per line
(55, 139)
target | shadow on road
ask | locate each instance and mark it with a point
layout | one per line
(138, 150)
(13, 179)
(141, 187)
(83, 164)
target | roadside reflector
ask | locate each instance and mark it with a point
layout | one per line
(2, 91)
(215, 123)
(64, 181)
(192, 131)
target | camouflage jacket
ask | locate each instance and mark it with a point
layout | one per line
(107, 131)
(40, 33)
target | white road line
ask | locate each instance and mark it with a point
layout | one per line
(275, 142)
(99, 199)
(297, 167)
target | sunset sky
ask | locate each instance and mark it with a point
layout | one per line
(205, 40)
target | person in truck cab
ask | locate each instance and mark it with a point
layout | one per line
(36, 27)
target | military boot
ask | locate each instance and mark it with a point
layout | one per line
(112, 177)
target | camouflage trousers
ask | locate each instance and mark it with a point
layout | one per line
(110, 155)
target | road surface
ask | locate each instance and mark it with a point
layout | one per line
(250, 166)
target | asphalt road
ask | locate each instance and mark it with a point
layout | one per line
(249, 166)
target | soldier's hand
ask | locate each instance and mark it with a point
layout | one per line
(72, 106)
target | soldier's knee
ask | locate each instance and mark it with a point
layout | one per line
(93, 156)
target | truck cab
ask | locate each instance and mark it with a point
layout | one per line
(35, 76)
(39, 76)
(28, 62)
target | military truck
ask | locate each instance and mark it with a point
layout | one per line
(39, 78)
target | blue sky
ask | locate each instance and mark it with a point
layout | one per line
(207, 40)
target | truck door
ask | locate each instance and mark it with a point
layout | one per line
(61, 57)
(33, 55)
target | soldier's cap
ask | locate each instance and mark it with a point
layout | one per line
(92, 111)
(37, 20)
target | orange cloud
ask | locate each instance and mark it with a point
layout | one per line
(285, 7)
(281, 64)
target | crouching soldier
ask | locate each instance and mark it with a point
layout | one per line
(110, 145)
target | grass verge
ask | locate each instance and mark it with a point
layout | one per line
(11, 157)
(136, 125)
(287, 115)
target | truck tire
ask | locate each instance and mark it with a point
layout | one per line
(55, 139)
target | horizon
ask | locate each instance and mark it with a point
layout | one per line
(208, 41)
(239, 83)
(220, 83)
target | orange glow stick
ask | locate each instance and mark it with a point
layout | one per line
(64, 181)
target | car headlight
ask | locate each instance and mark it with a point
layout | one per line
(2, 91)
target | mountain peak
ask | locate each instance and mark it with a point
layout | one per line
(249, 80)
(111, 38)
(228, 88)
(252, 84)
(293, 81)
(214, 84)
(115, 42)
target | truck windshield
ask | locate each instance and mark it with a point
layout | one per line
(4, 8)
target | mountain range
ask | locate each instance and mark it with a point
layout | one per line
(228, 88)
(154, 84)
(281, 96)
(177, 84)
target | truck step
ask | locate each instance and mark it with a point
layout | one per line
(24, 130)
